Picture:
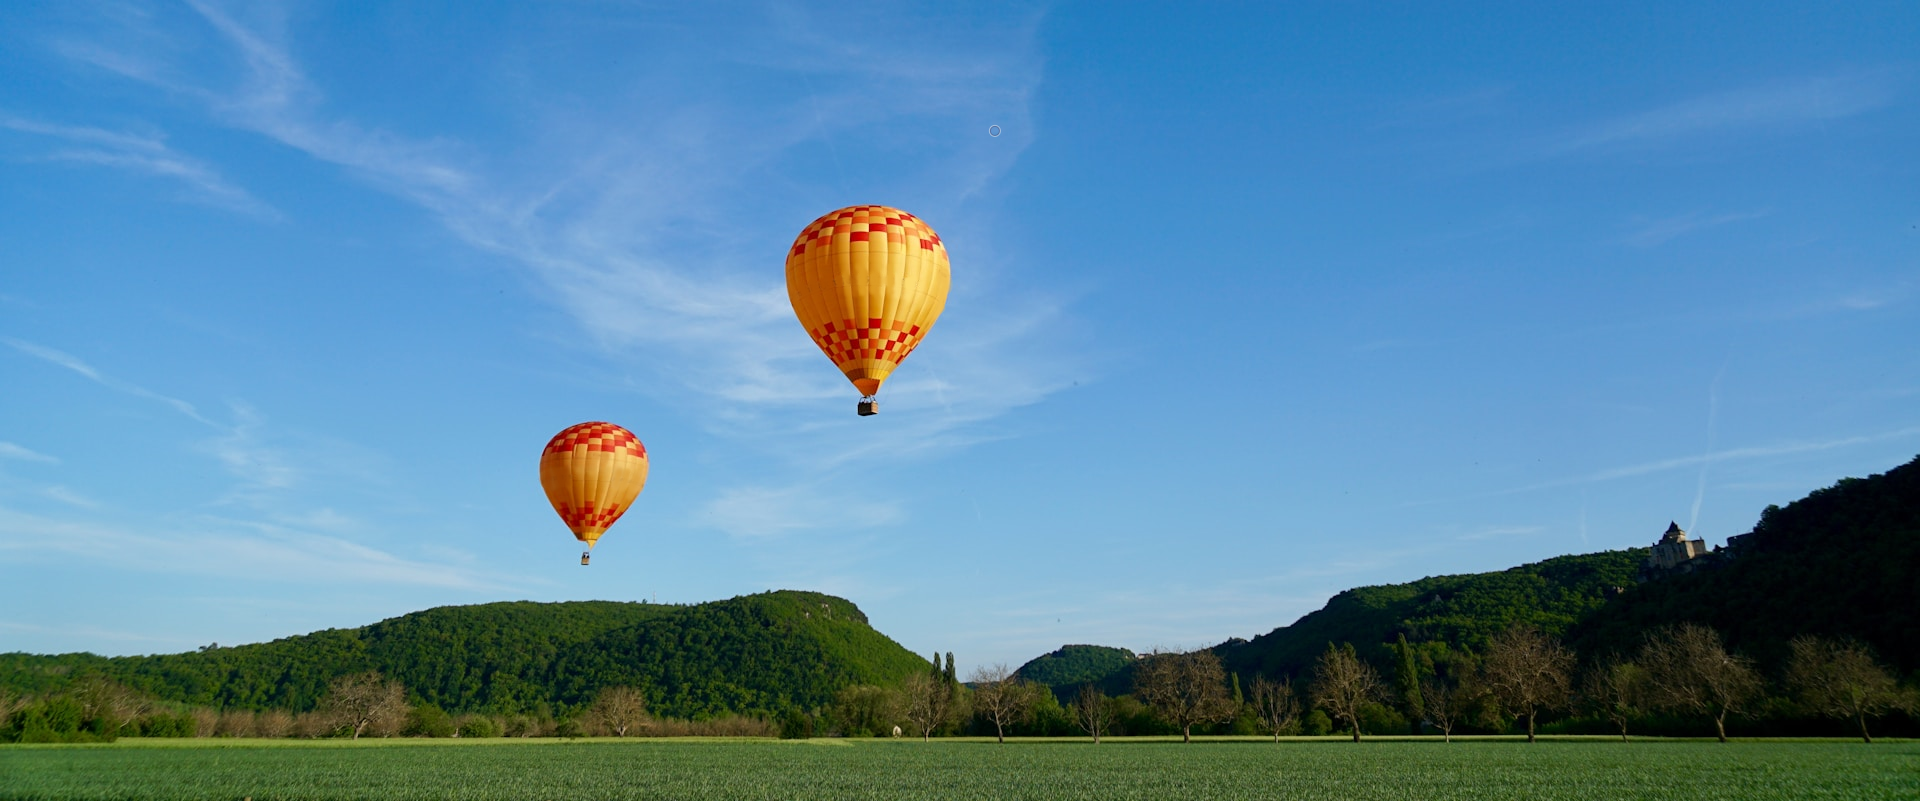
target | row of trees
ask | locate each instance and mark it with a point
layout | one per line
(1682, 670)
(1523, 677)
(356, 705)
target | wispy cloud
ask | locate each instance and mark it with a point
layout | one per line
(766, 512)
(89, 633)
(1651, 233)
(240, 451)
(1501, 533)
(73, 363)
(9, 450)
(1708, 458)
(148, 155)
(633, 230)
(69, 497)
(280, 555)
(1787, 103)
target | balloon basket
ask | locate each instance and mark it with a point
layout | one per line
(869, 407)
(584, 555)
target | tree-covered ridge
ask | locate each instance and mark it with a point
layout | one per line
(756, 653)
(769, 652)
(1074, 665)
(1462, 611)
(1843, 562)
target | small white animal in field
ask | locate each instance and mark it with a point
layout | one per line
(896, 731)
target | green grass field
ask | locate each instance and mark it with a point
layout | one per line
(908, 770)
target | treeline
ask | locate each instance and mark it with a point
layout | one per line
(353, 706)
(754, 656)
(1682, 681)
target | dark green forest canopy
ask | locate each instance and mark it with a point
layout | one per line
(1073, 665)
(755, 653)
(1462, 611)
(1842, 562)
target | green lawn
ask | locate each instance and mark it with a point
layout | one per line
(904, 770)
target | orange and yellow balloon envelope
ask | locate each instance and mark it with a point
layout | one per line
(592, 472)
(867, 282)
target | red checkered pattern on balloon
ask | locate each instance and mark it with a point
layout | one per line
(890, 340)
(869, 224)
(587, 516)
(591, 437)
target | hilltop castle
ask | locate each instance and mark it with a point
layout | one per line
(1674, 553)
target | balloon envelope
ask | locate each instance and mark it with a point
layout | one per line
(592, 472)
(867, 282)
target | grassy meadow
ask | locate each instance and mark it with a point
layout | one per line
(1145, 768)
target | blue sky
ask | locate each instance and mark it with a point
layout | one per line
(1251, 304)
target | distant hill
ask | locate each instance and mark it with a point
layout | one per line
(1073, 665)
(754, 653)
(1463, 611)
(1842, 562)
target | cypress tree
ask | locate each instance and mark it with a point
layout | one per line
(951, 679)
(1406, 682)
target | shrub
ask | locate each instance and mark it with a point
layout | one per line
(477, 726)
(1381, 719)
(161, 724)
(1316, 724)
(796, 725)
(428, 720)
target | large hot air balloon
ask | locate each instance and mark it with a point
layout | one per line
(867, 282)
(592, 472)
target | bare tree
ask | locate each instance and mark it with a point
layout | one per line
(273, 723)
(929, 701)
(1616, 689)
(1342, 684)
(234, 723)
(205, 721)
(1001, 697)
(1092, 711)
(357, 701)
(1185, 688)
(618, 709)
(1449, 701)
(1842, 680)
(1692, 672)
(1275, 705)
(107, 700)
(1528, 672)
(10, 702)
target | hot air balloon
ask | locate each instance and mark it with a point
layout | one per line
(592, 472)
(867, 282)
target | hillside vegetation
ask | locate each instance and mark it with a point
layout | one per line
(1842, 562)
(1073, 665)
(752, 654)
(1462, 611)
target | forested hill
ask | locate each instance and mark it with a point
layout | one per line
(1461, 611)
(754, 653)
(1073, 665)
(1842, 562)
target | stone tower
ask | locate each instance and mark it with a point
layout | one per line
(1674, 550)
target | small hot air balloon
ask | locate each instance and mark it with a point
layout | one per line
(592, 472)
(867, 282)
